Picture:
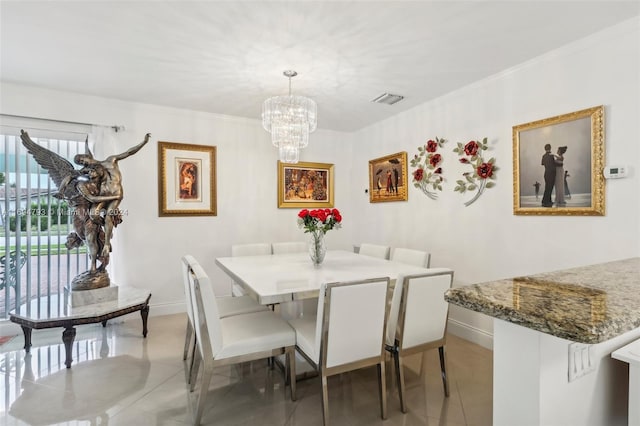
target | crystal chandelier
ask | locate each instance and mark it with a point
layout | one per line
(289, 119)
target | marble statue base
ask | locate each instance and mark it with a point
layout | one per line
(77, 298)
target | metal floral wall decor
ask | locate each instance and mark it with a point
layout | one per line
(483, 172)
(428, 175)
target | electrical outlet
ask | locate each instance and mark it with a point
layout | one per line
(581, 360)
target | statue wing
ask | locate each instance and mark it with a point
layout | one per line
(57, 166)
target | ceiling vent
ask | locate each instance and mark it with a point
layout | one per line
(388, 98)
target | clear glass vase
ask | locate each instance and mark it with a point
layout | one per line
(317, 248)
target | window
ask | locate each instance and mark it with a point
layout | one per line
(34, 261)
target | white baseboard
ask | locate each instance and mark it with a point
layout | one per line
(167, 309)
(470, 333)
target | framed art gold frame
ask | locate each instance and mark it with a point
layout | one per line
(186, 179)
(305, 185)
(571, 184)
(388, 178)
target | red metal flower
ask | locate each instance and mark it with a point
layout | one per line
(471, 148)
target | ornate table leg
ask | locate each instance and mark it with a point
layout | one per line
(144, 313)
(27, 338)
(68, 335)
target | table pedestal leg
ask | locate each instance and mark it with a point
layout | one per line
(27, 338)
(68, 335)
(144, 313)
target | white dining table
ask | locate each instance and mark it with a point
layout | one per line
(281, 278)
(288, 279)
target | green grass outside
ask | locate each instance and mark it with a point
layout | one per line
(43, 250)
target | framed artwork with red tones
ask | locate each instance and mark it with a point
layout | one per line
(388, 178)
(558, 165)
(305, 185)
(186, 179)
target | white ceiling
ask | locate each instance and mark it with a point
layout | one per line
(227, 57)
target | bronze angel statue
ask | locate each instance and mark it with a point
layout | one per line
(94, 193)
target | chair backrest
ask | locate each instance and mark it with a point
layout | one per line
(351, 321)
(188, 260)
(412, 257)
(289, 247)
(255, 249)
(421, 314)
(205, 312)
(374, 250)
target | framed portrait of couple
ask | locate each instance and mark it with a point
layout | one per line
(558, 165)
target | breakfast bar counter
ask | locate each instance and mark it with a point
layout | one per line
(589, 304)
(552, 341)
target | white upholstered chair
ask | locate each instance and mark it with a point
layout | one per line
(252, 249)
(289, 247)
(374, 250)
(235, 339)
(227, 306)
(418, 321)
(347, 333)
(412, 257)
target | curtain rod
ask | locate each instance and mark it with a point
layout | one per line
(116, 128)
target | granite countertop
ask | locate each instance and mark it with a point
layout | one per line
(589, 304)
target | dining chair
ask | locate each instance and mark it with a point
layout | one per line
(235, 339)
(418, 321)
(227, 306)
(289, 247)
(251, 249)
(347, 333)
(374, 250)
(411, 257)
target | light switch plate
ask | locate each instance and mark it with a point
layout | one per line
(581, 360)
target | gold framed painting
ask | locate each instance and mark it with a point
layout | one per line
(305, 185)
(186, 179)
(558, 165)
(388, 178)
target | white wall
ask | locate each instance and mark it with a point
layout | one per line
(485, 241)
(147, 248)
(482, 242)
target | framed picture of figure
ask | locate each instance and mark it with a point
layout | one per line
(558, 165)
(186, 179)
(388, 178)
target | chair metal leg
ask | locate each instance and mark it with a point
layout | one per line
(194, 370)
(192, 360)
(382, 383)
(291, 361)
(187, 339)
(204, 390)
(443, 370)
(325, 401)
(400, 380)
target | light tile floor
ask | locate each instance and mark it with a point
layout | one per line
(119, 378)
